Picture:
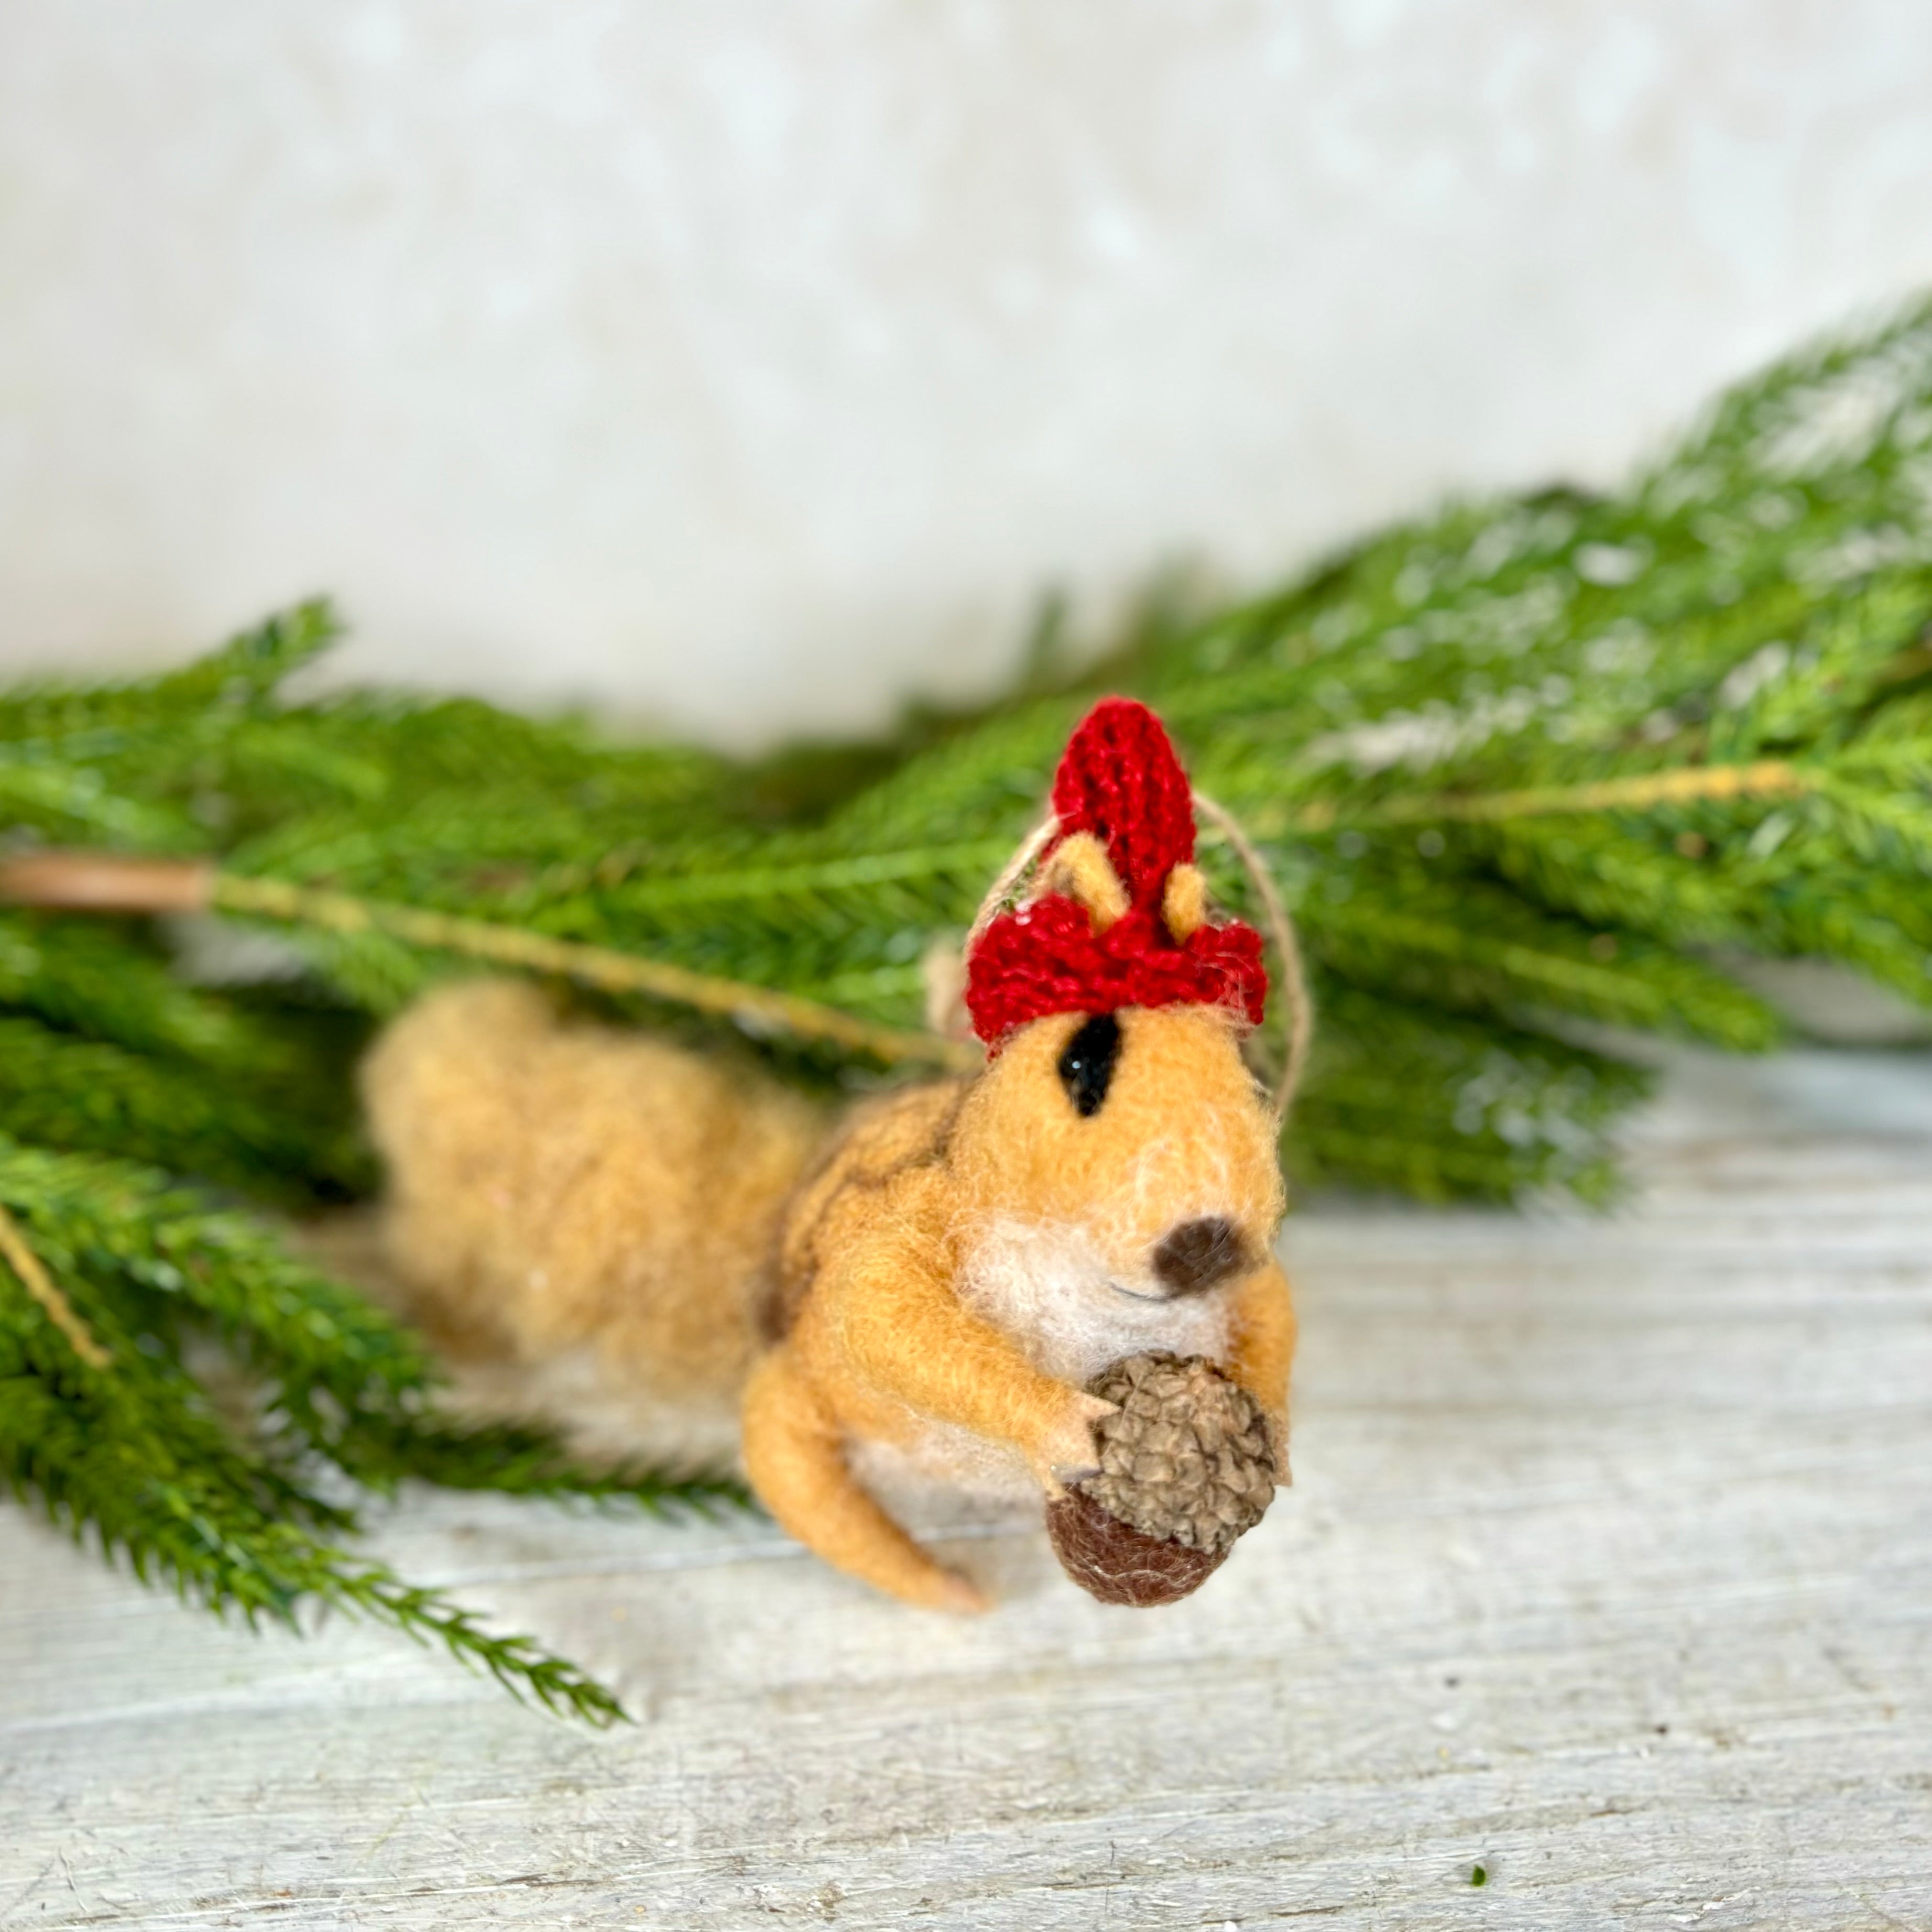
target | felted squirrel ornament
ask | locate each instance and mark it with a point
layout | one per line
(929, 1283)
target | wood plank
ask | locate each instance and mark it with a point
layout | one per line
(1609, 1564)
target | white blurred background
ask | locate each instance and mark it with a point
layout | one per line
(747, 367)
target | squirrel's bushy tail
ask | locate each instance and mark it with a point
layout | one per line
(555, 1186)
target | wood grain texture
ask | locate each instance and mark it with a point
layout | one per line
(1608, 1565)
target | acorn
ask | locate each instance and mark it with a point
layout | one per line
(1186, 1468)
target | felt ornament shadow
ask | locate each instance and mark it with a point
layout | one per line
(926, 1284)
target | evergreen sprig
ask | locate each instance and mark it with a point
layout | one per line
(132, 1448)
(1521, 766)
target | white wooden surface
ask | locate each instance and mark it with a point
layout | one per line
(1608, 1565)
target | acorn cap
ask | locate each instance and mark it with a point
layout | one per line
(1186, 1468)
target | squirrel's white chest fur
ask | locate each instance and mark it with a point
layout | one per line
(1050, 1288)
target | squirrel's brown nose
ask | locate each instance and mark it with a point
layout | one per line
(1197, 1255)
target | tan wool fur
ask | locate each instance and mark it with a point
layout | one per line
(936, 1275)
(557, 1187)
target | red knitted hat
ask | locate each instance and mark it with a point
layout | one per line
(1120, 780)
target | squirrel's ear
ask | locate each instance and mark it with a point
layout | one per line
(1183, 903)
(1080, 868)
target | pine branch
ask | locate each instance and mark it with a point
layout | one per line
(115, 1219)
(193, 1521)
(238, 676)
(89, 1095)
(382, 1449)
(80, 878)
(1448, 1110)
(129, 1446)
(530, 1673)
(1469, 946)
(112, 982)
(1636, 792)
(35, 1278)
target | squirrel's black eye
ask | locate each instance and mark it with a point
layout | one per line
(1087, 1067)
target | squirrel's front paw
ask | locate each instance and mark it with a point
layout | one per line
(1067, 1451)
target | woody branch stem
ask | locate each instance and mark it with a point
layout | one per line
(102, 882)
(1763, 778)
(38, 1283)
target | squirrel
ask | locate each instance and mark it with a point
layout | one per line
(928, 1281)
